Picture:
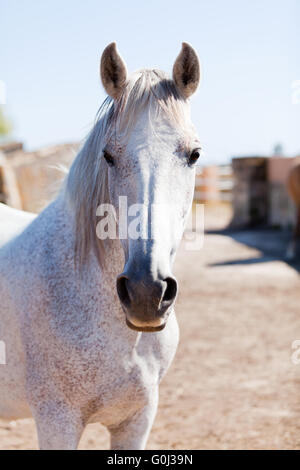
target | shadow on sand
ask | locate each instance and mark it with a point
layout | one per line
(272, 243)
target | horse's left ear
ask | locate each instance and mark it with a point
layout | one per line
(113, 71)
(186, 71)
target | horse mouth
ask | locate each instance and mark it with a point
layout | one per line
(145, 329)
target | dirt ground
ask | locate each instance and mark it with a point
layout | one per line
(232, 384)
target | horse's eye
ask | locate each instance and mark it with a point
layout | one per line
(109, 159)
(195, 155)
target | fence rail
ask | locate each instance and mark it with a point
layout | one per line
(214, 184)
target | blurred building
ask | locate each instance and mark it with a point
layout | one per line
(30, 180)
(260, 195)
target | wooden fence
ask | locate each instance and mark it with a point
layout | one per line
(214, 184)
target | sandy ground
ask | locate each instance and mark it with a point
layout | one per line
(232, 384)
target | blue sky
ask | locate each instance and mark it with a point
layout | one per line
(250, 55)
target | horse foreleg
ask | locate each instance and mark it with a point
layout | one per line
(133, 433)
(292, 248)
(58, 426)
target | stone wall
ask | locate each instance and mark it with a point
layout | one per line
(30, 180)
(250, 191)
(282, 210)
(260, 195)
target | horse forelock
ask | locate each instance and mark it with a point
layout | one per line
(87, 182)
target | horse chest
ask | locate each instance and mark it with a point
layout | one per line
(119, 383)
(134, 374)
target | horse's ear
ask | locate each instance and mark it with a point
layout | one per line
(113, 71)
(186, 71)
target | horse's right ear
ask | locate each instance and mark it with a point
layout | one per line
(113, 71)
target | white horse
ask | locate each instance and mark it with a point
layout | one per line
(78, 349)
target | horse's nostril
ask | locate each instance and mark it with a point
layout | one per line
(123, 290)
(171, 290)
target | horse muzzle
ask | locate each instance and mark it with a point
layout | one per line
(146, 302)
